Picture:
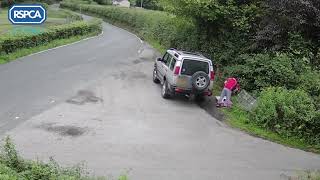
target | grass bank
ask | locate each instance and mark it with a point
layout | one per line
(55, 17)
(14, 167)
(237, 118)
(14, 46)
(27, 51)
(62, 27)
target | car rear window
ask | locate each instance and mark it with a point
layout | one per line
(189, 67)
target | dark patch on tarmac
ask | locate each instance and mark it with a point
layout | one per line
(141, 60)
(209, 105)
(66, 130)
(134, 75)
(84, 96)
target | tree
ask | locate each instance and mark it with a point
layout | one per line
(217, 14)
(284, 17)
(132, 2)
(149, 4)
(103, 2)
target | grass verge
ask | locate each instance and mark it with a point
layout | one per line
(238, 118)
(27, 51)
(14, 167)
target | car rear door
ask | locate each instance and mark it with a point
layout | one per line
(163, 66)
(189, 67)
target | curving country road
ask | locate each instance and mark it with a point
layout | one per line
(94, 101)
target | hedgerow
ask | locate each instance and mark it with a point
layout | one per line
(165, 28)
(15, 42)
(289, 113)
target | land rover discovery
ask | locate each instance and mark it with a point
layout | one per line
(181, 72)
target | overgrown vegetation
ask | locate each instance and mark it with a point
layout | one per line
(167, 29)
(14, 167)
(236, 117)
(273, 46)
(289, 113)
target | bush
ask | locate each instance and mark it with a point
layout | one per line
(104, 2)
(310, 82)
(13, 167)
(12, 43)
(289, 113)
(165, 28)
(264, 70)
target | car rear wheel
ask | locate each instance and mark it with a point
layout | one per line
(155, 76)
(200, 81)
(165, 90)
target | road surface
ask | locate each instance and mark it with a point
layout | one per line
(95, 101)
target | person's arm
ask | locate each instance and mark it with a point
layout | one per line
(238, 88)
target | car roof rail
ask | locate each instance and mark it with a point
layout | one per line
(174, 49)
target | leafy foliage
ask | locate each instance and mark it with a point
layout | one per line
(289, 113)
(167, 29)
(282, 18)
(149, 4)
(217, 13)
(310, 82)
(13, 167)
(104, 2)
(258, 71)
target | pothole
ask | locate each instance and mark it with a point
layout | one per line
(84, 96)
(66, 130)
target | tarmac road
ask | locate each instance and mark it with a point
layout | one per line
(94, 101)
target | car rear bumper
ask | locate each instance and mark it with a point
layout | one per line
(178, 90)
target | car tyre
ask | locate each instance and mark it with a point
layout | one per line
(200, 80)
(155, 76)
(165, 90)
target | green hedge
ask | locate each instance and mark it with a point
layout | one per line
(13, 43)
(289, 113)
(166, 29)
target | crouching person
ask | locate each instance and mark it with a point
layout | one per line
(231, 84)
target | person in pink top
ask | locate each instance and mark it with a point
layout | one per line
(231, 84)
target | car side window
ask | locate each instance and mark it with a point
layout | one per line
(165, 58)
(168, 61)
(172, 64)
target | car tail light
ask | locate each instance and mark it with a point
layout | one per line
(179, 90)
(212, 75)
(177, 70)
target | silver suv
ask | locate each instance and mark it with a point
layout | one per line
(181, 72)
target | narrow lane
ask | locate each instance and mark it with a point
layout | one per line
(94, 101)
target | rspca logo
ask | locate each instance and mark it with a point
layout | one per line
(27, 14)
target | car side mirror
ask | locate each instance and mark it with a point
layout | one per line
(160, 59)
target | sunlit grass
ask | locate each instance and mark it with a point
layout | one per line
(5, 58)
